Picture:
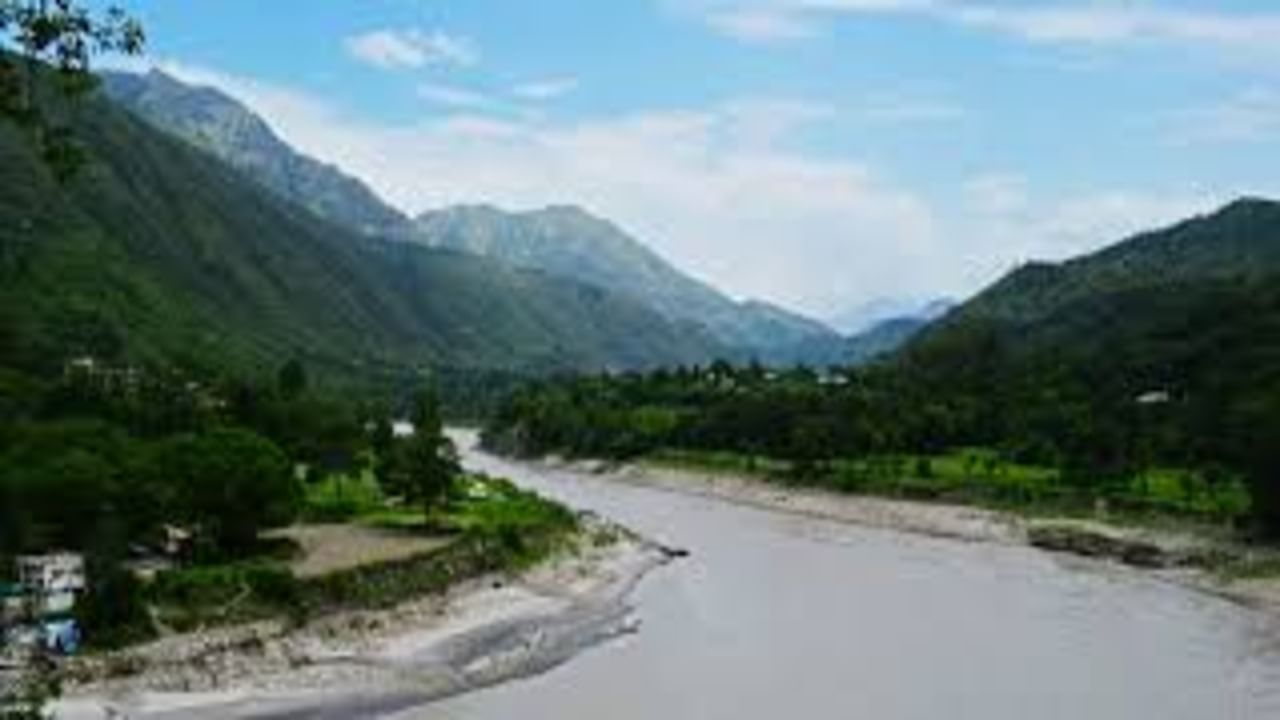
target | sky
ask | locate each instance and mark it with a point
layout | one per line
(815, 153)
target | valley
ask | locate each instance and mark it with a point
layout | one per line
(482, 361)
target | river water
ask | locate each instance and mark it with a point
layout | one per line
(778, 616)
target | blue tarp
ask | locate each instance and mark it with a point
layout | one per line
(62, 636)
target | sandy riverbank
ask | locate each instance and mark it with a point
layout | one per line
(489, 631)
(957, 522)
(374, 663)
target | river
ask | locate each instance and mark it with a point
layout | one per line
(775, 615)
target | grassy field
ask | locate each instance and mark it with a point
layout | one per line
(983, 477)
(380, 553)
(337, 498)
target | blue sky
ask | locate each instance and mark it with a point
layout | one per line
(818, 153)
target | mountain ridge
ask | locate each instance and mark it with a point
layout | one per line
(570, 242)
(563, 240)
(211, 120)
(160, 252)
(1190, 312)
(1236, 242)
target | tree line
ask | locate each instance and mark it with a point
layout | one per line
(1096, 432)
(108, 461)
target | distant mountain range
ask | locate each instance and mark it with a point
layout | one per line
(564, 241)
(167, 248)
(882, 339)
(866, 316)
(880, 328)
(159, 251)
(569, 242)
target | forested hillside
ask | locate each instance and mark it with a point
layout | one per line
(223, 127)
(158, 252)
(1160, 352)
(565, 241)
(571, 243)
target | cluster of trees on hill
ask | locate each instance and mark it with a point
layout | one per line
(108, 460)
(1161, 352)
(103, 456)
(1097, 439)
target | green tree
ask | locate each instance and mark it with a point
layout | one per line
(113, 610)
(431, 461)
(34, 691)
(292, 379)
(1258, 430)
(810, 448)
(56, 39)
(233, 484)
(382, 443)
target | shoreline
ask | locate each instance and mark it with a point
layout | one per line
(497, 628)
(1170, 556)
(480, 633)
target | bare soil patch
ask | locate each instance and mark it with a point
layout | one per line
(327, 549)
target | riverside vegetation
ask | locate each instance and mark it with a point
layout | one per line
(106, 461)
(1142, 378)
(798, 431)
(103, 460)
(144, 331)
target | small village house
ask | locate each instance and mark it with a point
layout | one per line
(13, 603)
(35, 612)
(52, 582)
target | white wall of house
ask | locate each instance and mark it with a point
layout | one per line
(53, 580)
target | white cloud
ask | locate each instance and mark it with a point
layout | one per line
(543, 90)
(1059, 22)
(1104, 24)
(1005, 223)
(453, 96)
(399, 49)
(896, 108)
(1250, 116)
(772, 122)
(761, 24)
(996, 194)
(717, 191)
(708, 188)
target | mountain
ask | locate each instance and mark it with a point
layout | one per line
(881, 340)
(562, 241)
(569, 242)
(866, 316)
(1188, 315)
(218, 124)
(1234, 250)
(887, 326)
(1238, 244)
(158, 251)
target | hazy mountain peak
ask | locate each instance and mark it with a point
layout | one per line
(181, 257)
(866, 316)
(561, 240)
(568, 212)
(571, 242)
(219, 124)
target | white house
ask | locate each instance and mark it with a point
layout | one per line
(52, 581)
(402, 429)
(1154, 397)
